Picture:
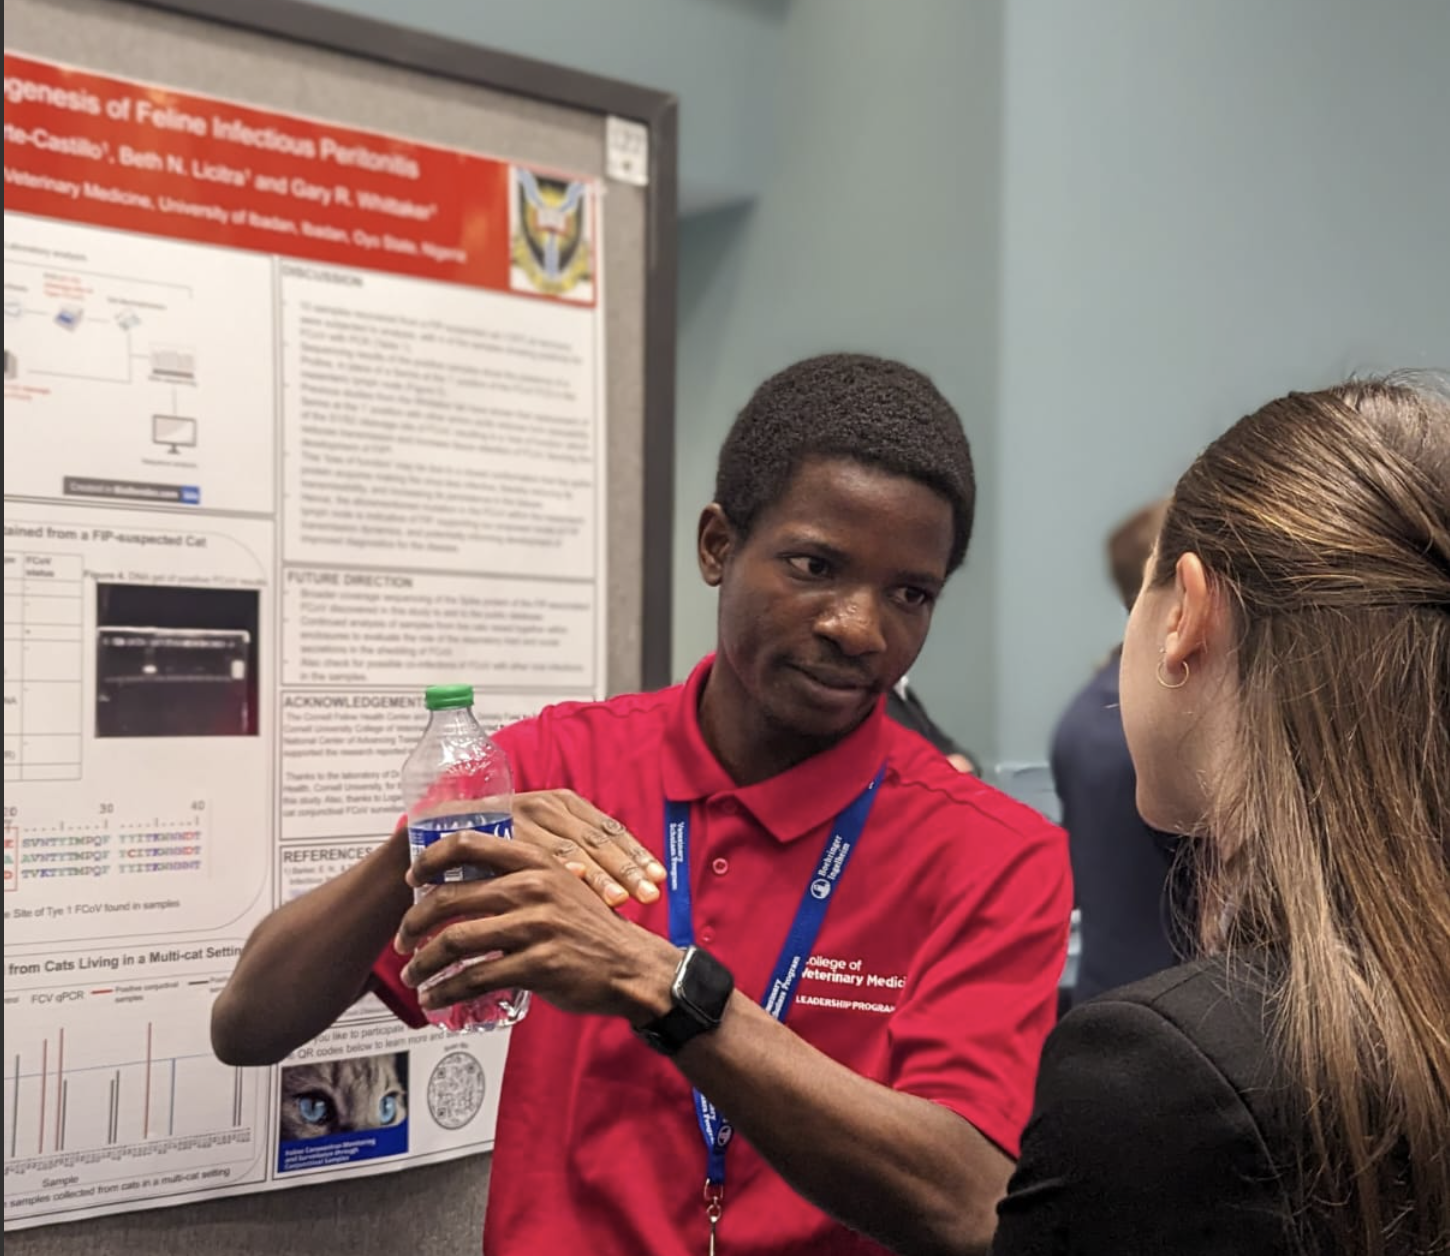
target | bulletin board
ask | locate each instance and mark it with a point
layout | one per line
(338, 362)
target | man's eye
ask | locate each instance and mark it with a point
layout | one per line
(914, 597)
(809, 565)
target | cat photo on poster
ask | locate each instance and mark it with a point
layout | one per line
(338, 1112)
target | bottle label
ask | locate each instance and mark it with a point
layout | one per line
(423, 833)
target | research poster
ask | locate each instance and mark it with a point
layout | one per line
(299, 419)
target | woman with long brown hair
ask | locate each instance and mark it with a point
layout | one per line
(1285, 689)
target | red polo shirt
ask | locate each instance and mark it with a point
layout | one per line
(935, 972)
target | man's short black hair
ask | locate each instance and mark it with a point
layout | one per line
(847, 405)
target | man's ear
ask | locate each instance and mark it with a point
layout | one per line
(714, 542)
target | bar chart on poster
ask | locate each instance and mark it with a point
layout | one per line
(300, 418)
(142, 1104)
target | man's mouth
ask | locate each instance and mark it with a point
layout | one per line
(840, 682)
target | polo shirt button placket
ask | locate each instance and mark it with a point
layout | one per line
(720, 865)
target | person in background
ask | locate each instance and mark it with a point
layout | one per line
(1286, 695)
(905, 707)
(1130, 889)
(885, 1101)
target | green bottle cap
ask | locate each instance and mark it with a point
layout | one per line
(447, 697)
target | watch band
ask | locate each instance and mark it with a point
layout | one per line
(700, 992)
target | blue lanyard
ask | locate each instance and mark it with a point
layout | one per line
(844, 837)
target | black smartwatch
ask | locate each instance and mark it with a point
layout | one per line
(700, 991)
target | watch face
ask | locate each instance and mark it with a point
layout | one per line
(703, 985)
(700, 993)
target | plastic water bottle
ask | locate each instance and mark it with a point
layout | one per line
(458, 778)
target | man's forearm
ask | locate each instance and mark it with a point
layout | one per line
(307, 962)
(907, 1172)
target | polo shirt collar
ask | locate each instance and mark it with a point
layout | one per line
(788, 805)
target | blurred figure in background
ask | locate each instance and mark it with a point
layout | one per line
(907, 709)
(1130, 902)
(1286, 695)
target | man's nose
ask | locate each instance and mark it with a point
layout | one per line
(853, 623)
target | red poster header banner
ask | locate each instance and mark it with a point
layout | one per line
(129, 156)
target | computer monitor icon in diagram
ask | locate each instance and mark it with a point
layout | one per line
(173, 430)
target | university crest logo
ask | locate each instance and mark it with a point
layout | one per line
(551, 238)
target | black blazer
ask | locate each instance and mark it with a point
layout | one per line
(1159, 1127)
(911, 713)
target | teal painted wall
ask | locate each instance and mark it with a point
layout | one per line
(1205, 205)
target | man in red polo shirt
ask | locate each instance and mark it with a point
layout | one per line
(784, 949)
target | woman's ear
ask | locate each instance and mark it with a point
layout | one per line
(1196, 623)
(714, 542)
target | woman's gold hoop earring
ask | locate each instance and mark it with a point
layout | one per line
(1163, 679)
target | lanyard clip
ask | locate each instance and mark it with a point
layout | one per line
(714, 1200)
(714, 1208)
